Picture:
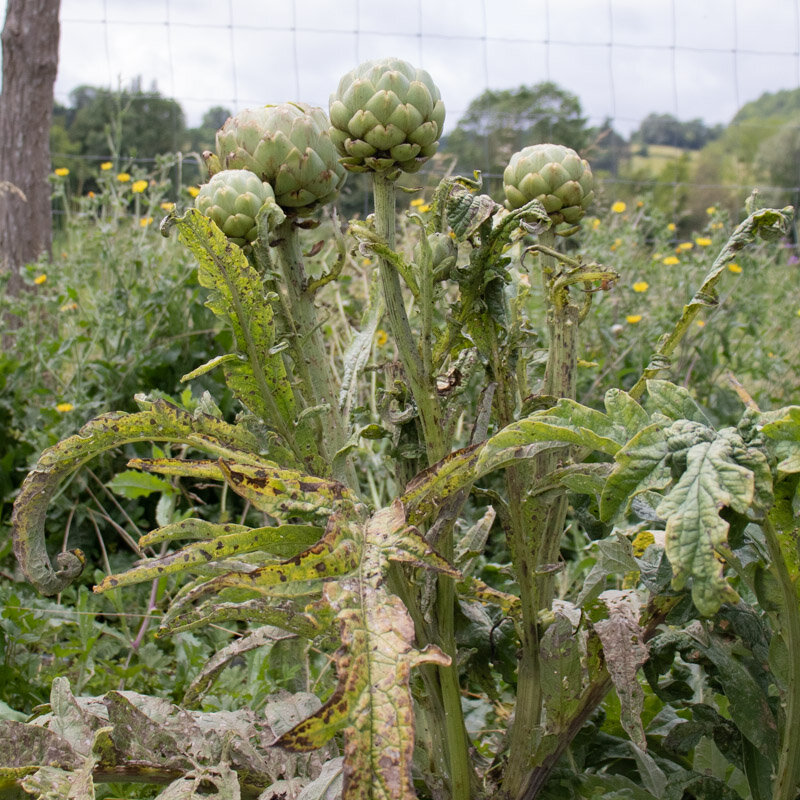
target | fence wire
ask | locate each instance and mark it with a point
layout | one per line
(624, 59)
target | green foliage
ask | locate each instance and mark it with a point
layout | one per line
(467, 549)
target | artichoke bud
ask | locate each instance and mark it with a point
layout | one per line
(386, 116)
(288, 146)
(233, 199)
(553, 174)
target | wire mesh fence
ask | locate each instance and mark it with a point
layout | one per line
(624, 60)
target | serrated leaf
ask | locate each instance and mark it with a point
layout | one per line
(623, 410)
(560, 657)
(268, 489)
(158, 421)
(357, 353)
(747, 703)
(567, 422)
(132, 484)
(641, 465)
(614, 556)
(625, 651)
(695, 530)
(466, 211)
(237, 295)
(201, 682)
(260, 611)
(472, 542)
(372, 701)
(674, 402)
(280, 542)
(784, 428)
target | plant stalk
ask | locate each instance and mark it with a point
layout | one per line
(422, 384)
(538, 524)
(781, 525)
(309, 350)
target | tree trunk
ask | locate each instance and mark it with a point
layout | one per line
(30, 61)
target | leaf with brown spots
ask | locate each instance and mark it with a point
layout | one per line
(372, 701)
(279, 542)
(159, 421)
(259, 377)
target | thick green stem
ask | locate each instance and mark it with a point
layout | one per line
(780, 526)
(308, 348)
(422, 384)
(538, 525)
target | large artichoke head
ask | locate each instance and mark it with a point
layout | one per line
(553, 174)
(233, 198)
(387, 116)
(289, 147)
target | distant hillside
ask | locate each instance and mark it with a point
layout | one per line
(783, 104)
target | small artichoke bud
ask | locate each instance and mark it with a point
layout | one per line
(387, 116)
(232, 199)
(553, 174)
(288, 146)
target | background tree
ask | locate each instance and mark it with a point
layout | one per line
(666, 129)
(30, 62)
(204, 136)
(130, 124)
(498, 123)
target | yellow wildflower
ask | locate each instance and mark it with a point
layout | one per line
(62, 172)
(90, 195)
(595, 224)
(641, 286)
(167, 206)
(657, 256)
(671, 227)
(632, 319)
(716, 226)
(145, 221)
(617, 243)
(618, 207)
(684, 246)
(703, 241)
(381, 337)
(711, 210)
(40, 279)
(137, 187)
(734, 268)
(798, 312)
(701, 323)
(62, 408)
(425, 209)
(69, 307)
(193, 191)
(671, 261)
(640, 204)
(106, 166)
(417, 202)
(365, 262)
(123, 177)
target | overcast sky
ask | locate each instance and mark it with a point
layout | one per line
(623, 58)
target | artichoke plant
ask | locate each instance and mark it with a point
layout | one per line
(387, 116)
(289, 147)
(232, 199)
(553, 174)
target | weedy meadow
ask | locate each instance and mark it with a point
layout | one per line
(479, 498)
